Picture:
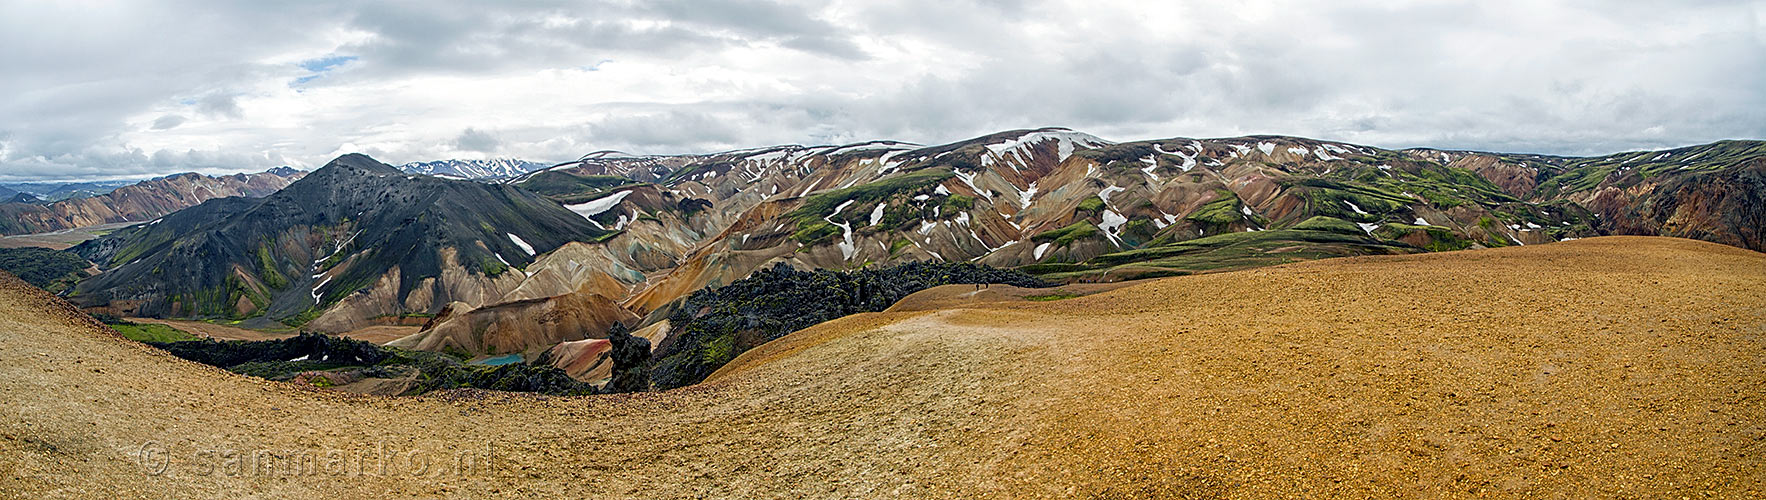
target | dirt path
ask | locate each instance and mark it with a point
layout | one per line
(1609, 367)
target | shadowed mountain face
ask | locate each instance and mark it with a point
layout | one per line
(356, 236)
(138, 202)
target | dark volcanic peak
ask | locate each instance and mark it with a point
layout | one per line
(284, 171)
(355, 224)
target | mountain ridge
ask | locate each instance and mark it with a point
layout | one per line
(486, 169)
(356, 233)
(139, 202)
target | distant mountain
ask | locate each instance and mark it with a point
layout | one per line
(141, 201)
(478, 170)
(23, 198)
(6, 192)
(352, 243)
(57, 191)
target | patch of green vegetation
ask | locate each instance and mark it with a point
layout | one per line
(1093, 204)
(957, 203)
(898, 244)
(1441, 239)
(1332, 224)
(149, 332)
(815, 232)
(1222, 211)
(493, 267)
(1067, 235)
(1138, 231)
(1494, 230)
(719, 350)
(52, 270)
(570, 188)
(821, 205)
(267, 271)
(1047, 268)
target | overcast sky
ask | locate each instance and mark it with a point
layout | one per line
(112, 89)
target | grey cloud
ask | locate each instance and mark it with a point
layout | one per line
(476, 140)
(1572, 77)
(220, 104)
(168, 121)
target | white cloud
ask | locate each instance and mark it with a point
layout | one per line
(152, 89)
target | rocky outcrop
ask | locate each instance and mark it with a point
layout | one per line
(325, 361)
(631, 361)
(1726, 206)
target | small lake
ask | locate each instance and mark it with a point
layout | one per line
(506, 359)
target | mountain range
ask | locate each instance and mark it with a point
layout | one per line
(139, 202)
(488, 170)
(57, 191)
(558, 254)
(354, 241)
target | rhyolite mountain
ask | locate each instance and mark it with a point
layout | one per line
(138, 202)
(1057, 203)
(352, 242)
(478, 170)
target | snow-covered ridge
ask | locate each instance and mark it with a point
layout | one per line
(492, 169)
(1067, 141)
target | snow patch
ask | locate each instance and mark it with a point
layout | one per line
(1355, 208)
(1105, 193)
(847, 249)
(599, 205)
(1421, 222)
(521, 243)
(970, 180)
(1037, 254)
(876, 214)
(1113, 224)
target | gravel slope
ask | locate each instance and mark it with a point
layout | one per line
(1603, 367)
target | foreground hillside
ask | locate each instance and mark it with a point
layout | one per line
(1620, 366)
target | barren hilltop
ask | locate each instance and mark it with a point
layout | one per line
(1611, 367)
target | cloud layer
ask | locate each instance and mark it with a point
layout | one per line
(130, 89)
